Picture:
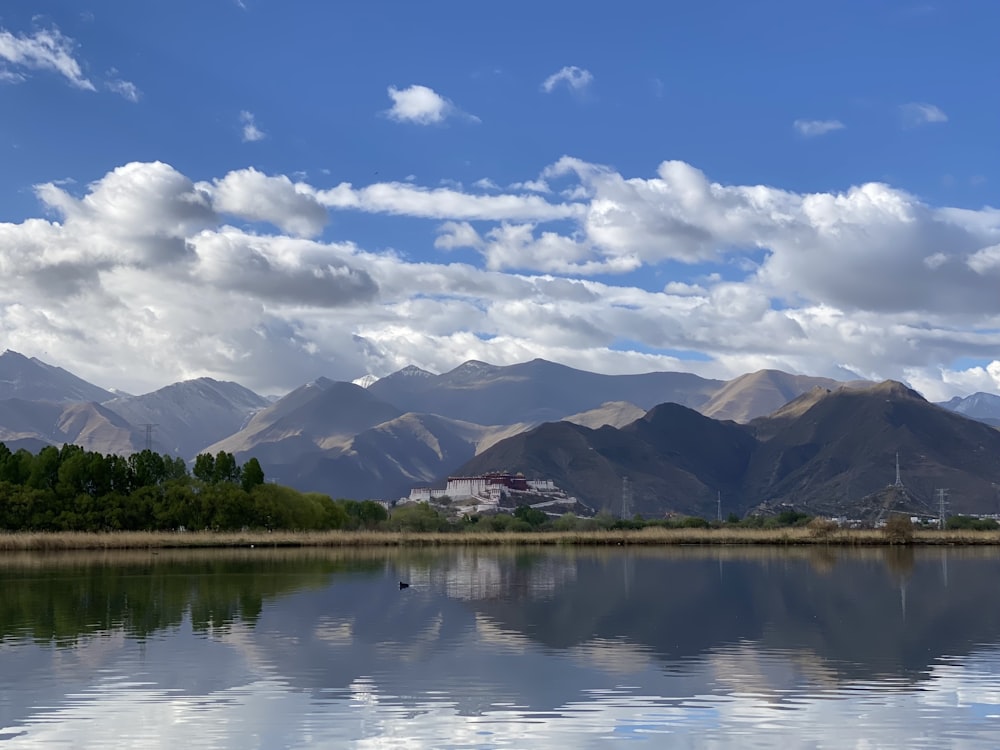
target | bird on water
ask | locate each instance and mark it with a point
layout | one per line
(403, 585)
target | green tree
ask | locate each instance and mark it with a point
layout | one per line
(416, 517)
(45, 469)
(204, 467)
(532, 516)
(226, 468)
(253, 474)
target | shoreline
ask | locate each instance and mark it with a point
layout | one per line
(793, 536)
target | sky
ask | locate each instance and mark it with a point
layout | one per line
(269, 192)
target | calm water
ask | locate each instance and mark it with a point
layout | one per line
(487, 648)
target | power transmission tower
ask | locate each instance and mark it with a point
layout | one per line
(942, 496)
(626, 498)
(899, 479)
(149, 435)
(718, 506)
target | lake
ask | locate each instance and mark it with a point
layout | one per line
(511, 648)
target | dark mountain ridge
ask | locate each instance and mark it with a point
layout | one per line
(823, 453)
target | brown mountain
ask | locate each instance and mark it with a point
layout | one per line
(386, 460)
(675, 459)
(90, 425)
(318, 416)
(759, 393)
(613, 413)
(532, 392)
(190, 415)
(34, 380)
(827, 450)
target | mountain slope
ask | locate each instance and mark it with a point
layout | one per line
(95, 428)
(612, 413)
(33, 380)
(532, 392)
(758, 393)
(190, 415)
(387, 460)
(984, 407)
(829, 449)
(320, 415)
(674, 458)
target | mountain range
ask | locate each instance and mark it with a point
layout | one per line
(764, 440)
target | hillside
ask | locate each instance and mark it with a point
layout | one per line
(318, 416)
(32, 424)
(190, 415)
(33, 380)
(829, 449)
(674, 458)
(532, 392)
(759, 393)
(825, 452)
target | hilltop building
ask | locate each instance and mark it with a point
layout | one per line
(490, 492)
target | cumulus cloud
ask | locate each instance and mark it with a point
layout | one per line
(251, 133)
(145, 274)
(252, 195)
(45, 49)
(917, 113)
(812, 128)
(574, 78)
(403, 198)
(422, 105)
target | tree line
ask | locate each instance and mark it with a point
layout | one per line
(71, 489)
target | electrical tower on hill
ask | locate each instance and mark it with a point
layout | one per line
(626, 498)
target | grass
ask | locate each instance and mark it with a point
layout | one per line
(56, 541)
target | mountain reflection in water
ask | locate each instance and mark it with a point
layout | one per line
(495, 647)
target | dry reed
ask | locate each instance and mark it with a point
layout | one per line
(55, 541)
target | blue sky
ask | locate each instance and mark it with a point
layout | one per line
(268, 192)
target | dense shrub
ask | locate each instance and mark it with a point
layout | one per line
(898, 529)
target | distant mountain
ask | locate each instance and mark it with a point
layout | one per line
(318, 416)
(30, 424)
(759, 393)
(674, 458)
(829, 451)
(532, 392)
(613, 413)
(190, 415)
(984, 407)
(388, 459)
(33, 380)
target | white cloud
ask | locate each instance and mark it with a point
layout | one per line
(422, 105)
(986, 260)
(249, 194)
(125, 89)
(812, 128)
(46, 49)
(576, 79)
(251, 133)
(403, 198)
(456, 234)
(144, 269)
(532, 186)
(917, 113)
